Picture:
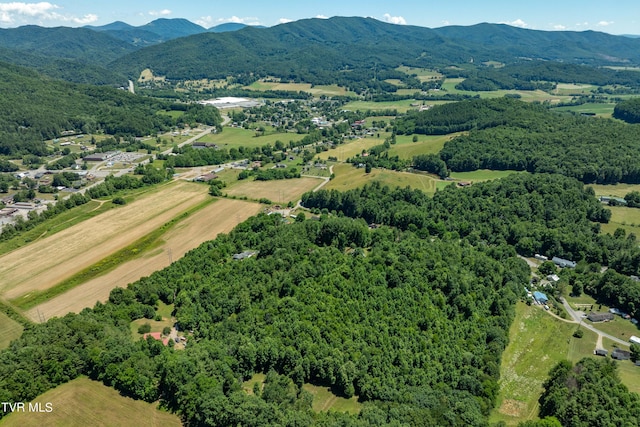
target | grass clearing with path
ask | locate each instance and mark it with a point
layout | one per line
(197, 228)
(83, 402)
(323, 398)
(36, 267)
(537, 342)
(622, 217)
(349, 177)
(405, 148)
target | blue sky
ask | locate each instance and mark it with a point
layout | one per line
(617, 17)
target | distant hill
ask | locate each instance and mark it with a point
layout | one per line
(170, 29)
(321, 50)
(65, 43)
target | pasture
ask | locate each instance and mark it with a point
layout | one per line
(622, 217)
(348, 177)
(203, 225)
(279, 191)
(423, 74)
(617, 190)
(401, 106)
(234, 137)
(83, 402)
(9, 330)
(537, 342)
(36, 267)
(350, 149)
(405, 148)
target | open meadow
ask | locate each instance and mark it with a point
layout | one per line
(203, 225)
(349, 149)
(348, 177)
(279, 191)
(46, 262)
(83, 402)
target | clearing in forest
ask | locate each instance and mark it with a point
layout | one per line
(349, 177)
(44, 263)
(201, 226)
(83, 402)
(9, 330)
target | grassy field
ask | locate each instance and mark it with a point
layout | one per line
(481, 175)
(401, 106)
(9, 330)
(279, 191)
(356, 146)
(239, 137)
(617, 190)
(423, 74)
(323, 398)
(537, 341)
(349, 177)
(525, 95)
(599, 109)
(164, 310)
(405, 148)
(83, 402)
(623, 217)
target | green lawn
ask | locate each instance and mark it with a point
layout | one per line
(9, 330)
(401, 106)
(349, 149)
(237, 137)
(164, 310)
(537, 341)
(619, 328)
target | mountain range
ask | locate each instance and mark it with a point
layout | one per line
(340, 49)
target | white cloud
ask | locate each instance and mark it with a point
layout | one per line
(20, 12)
(399, 20)
(163, 12)
(205, 21)
(559, 27)
(604, 23)
(322, 17)
(284, 20)
(248, 20)
(517, 23)
(445, 23)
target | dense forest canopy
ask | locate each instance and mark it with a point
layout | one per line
(589, 394)
(507, 134)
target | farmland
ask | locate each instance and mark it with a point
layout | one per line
(205, 224)
(317, 90)
(83, 402)
(623, 217)
(405, 148)
(350, 149)
(278, 191)
(35, 268)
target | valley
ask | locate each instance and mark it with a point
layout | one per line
(346, 247)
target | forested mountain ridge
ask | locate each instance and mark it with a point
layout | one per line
(65, 43)
(360, 44)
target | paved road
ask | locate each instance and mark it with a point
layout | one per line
(577, 319)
